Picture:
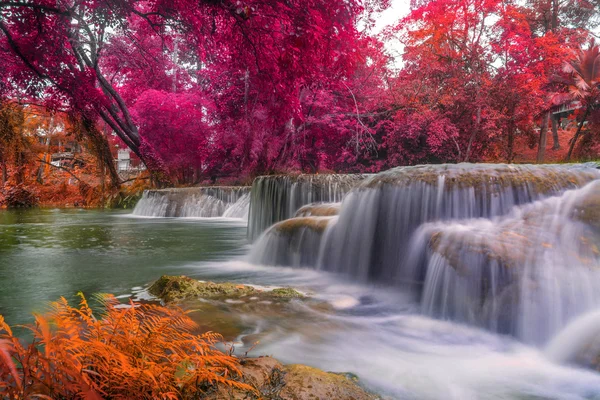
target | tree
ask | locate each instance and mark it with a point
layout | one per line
(448, 69)
(13, 144)
(582, 85)
(96, 58)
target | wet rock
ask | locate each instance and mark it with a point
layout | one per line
(319, 210)
(488, 178)
(294, 225)
(172, 289)
(293, 242)
(275, 381)
(586, 208)
(285, 293)
(278, 197)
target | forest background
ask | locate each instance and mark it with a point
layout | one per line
(217, 92)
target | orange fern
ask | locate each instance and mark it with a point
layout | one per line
(134, 352)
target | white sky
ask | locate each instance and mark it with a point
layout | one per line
(398, 9)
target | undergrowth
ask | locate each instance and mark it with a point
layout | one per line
(140, 351)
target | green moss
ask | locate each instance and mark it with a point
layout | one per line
(172, 289)
(493, 178)
(177, 288)
(285, 293)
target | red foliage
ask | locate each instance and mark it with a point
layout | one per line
(206, 89)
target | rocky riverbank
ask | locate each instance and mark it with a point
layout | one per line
(270, 378)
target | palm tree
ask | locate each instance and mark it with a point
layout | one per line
(583, 85)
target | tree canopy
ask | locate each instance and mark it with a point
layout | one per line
(219, 88)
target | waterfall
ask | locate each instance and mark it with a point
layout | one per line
(511, 248)
(293, 242)
(578, 340)
(526, 274)
(371, 238)
(278, 197)
(199, 202)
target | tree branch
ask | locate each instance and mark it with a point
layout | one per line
(58, 167)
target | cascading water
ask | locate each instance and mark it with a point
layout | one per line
(463, 240)
(276, 198)
(371, 238)
(199, 202)
(526, 274)
(293, 242)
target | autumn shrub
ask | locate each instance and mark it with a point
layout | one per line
(19, 197)
(140, 351)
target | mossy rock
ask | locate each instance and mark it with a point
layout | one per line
(275, 381)
(178, 288)
(292, 225)
(285, 293)
(319, 210)
(486, 178)
(586, 208)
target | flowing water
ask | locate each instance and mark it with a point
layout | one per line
(431, 282)
(195, 202)
(275, 198)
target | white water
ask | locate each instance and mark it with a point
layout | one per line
(527, 274)
(276, 198)
(377, 333)
(579, 339)
(197, 202)
(442, 282)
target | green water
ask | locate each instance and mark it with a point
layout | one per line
(45, 254)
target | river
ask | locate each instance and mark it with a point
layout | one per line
(357, 318)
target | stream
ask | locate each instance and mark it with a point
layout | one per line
(446, 282)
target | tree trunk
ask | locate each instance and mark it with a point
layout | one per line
(4, 173)
(101, 150)
(43, 167)
(19, 168)
(576, 136)
(511, 143)
(102, 182)
(473, 134)
(554, 20)
(555, 124)
(543, 137)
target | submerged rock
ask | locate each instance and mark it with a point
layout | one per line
(291, 382)
(179, 288)
(286, 293)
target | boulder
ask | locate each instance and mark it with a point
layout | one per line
(275, 381)
(172, 289)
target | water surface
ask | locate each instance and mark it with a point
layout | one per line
(373, 331)
(45, 254)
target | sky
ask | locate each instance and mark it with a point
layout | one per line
(398, 9)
